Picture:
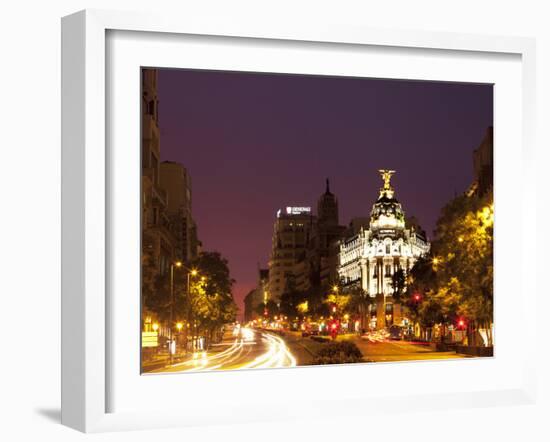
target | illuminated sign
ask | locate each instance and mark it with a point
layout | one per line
(387, 232)
(297, 210)
(149, 339)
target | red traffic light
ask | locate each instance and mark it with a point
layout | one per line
(416, 297)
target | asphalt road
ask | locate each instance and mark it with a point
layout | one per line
(388, 350)
(242, 349)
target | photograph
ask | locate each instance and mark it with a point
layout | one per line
(302, 220)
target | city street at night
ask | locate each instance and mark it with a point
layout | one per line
(244, 348)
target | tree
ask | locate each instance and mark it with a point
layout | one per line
(291, 298)
(421, 282)
(456, 279)
(211, 300)
(340, 301)
(359, 304)
(344, 352)
(464, 253)
(398, 284)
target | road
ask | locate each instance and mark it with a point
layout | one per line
(245, 349)
(387, 350)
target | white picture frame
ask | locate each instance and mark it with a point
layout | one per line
(87, 207)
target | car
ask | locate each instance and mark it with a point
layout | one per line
(396, 332)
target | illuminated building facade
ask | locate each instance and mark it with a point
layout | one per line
(304, 255)
(291, 234)
(369, 259)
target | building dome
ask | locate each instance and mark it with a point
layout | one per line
(387, 216)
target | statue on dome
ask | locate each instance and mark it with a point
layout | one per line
(386, 175)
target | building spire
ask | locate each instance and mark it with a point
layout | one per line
(328, 187)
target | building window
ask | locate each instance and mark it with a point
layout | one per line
(388, 269)
(388, 251)
(373, 310)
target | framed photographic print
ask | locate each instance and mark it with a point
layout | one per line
(249, 209)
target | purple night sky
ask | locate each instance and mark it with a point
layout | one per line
(254, 143)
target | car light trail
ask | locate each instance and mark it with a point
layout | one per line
(278, 354)
(240, 354)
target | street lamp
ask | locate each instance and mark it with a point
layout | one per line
(191, 272)
(177, 264)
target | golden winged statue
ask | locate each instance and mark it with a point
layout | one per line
(386, 177)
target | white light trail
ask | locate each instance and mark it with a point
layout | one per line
(236, 356)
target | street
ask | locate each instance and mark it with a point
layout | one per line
(388, 350)
(379, 350)
(247, 348)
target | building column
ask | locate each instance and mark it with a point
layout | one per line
(364, 274)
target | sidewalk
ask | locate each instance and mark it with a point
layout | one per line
(163, 360)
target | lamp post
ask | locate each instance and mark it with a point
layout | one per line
(170, 347)
(190, 272)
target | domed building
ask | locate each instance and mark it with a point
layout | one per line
(368, 259)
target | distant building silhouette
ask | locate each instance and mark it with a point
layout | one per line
(176, 182)
(483, 164)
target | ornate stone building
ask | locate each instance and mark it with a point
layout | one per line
(369, 259)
